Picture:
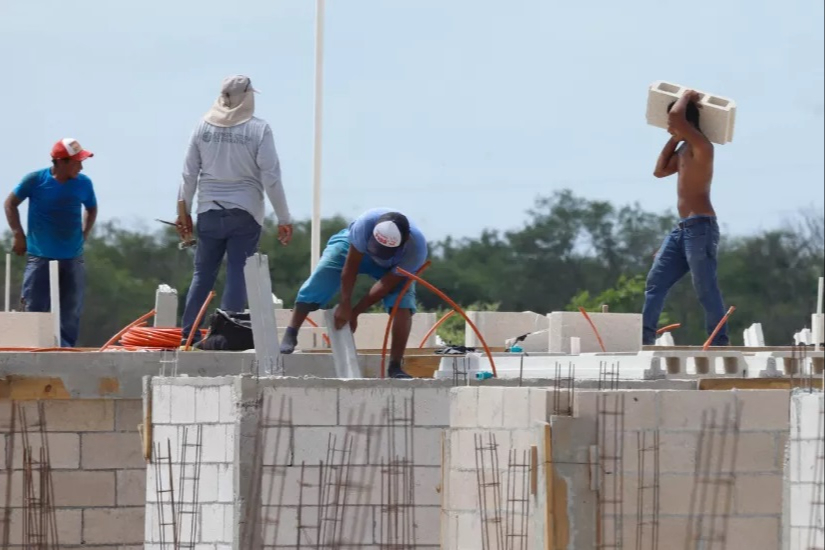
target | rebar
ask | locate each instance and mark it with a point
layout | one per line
(610, 422)
(518, 501)
(488, 521)
(189, 508)
(646, 448)
(563, 390)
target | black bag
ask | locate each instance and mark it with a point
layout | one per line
(228, 331)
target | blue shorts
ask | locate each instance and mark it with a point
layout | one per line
(325, 281)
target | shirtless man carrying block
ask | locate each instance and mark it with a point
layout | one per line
(692, 245)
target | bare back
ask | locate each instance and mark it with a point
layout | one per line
(695, 176)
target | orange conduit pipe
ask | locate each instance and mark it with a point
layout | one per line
(314, 324)
(718, 328)
(458, 310)
(593, 326)
(668, 328)
(136, 322)
(397, 303)
(199, 318)
(435, 327)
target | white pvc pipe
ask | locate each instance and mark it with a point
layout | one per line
(8, 282)
(54, 290)
(819, 295)
(315, 241)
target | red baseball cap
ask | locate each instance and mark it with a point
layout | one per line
(69, 148)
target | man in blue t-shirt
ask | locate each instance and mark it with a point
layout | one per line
(376, 243)
(57, 231)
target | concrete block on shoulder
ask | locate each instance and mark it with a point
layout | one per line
(717, 114)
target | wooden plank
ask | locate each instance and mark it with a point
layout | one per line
(22, 388)
(534, 470)
(724, 384)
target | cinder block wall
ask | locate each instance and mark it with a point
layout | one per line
(98, 470)
(721, 461)
(358, 462)
(187, 413)
(806, 472)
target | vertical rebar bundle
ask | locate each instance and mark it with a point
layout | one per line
(397, 513)
(490, 512)
(714, 479)
(189, 484)
(648, 490)
(163, 468)
(563, 388)
(39, 517)
(610, 496)
(518, 501)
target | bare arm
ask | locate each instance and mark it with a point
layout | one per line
(699, 143)
(668, 163)
(13, 214)
(348, 276)
(381, 288)
(89, 221)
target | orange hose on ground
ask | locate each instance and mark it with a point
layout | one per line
(198, 319)
(593, 326)
(404, 289)
(668, 328)
(435, 327)
(460, 312)
(718, 328)
(314, 324)
(137, 321)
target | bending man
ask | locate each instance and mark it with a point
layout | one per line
(374, 244)
(692, 245)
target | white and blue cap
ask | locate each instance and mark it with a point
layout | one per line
(389, 235)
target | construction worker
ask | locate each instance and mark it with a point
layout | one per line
(691, 246)
(376, 243)
(231, 162)
(57, 231)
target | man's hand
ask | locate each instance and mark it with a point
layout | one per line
(342, 316)
(19, 244)
(693, 95)
(285, 234)
(183, 224)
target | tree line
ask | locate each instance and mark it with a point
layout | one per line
(570, 252)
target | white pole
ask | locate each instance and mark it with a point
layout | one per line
(817, 326)
(8, 282)
(819, 295)
(54, 288)
(315, 243)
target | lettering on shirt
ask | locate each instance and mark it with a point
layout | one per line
(225, 137)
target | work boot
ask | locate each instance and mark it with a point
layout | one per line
(290, 340)
(396, 371)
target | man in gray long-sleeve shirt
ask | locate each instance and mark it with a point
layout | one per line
(231, 162)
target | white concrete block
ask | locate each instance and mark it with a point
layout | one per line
(216, 523)
(207, 404)
(183, 404)
(620, 332)
(499, 326)
(227, 405)
(464, 407)
(343, 348)
(717, 114)
(818, 328)
(300, 406)
(166, 306)
(516, 408)
(373, 406)
(218, 444)
(665, 340)
(807, 416)
(490, 407)
(431, 406)
(161, 403)
(26, 330)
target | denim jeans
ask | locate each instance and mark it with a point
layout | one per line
(36, 294)
(690, 247)
(235, 233)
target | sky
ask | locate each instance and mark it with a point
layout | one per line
(459, 113)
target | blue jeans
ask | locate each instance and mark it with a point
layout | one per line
(325, 281)
(691, 247)
(235, 233)
(72, 281)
